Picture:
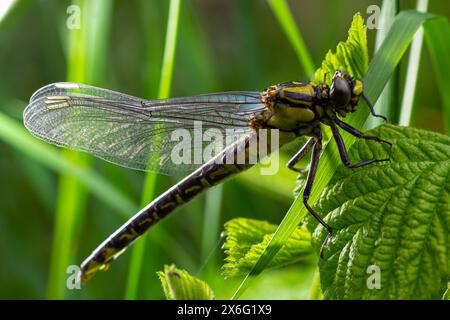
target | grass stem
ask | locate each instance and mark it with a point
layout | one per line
(412, 71)
(284, 16)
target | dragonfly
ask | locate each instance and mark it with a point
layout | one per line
(136, 133)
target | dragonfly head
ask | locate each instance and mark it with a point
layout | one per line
(345, 92)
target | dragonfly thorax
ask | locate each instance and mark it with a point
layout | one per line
(291, 105)
(299, 105)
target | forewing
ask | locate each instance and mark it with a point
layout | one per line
(136, 133)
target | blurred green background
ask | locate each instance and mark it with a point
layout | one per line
(221, 46)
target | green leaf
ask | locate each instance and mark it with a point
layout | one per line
(178, 284)
(247, 238)
(395, 216)
(380, 70)
(291, 282)
(437, 38)
(350, 55)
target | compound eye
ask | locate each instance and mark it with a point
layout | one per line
(340, 92)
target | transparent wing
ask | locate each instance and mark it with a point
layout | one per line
(168, 136)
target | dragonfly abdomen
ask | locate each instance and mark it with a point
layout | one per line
(210, 174)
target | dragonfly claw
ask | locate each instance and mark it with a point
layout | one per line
(324, 244)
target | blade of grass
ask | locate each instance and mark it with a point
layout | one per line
(380, 71)
(165, 81)
(71, 196)
(98, 26)
(412, 71)
(153, 38)
(437, 39)
(386, 104)
(150, 179)
(84, 44)
(284, 16)
(211, 221)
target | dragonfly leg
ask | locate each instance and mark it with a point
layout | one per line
(308, 186)
(357, 133)
(300, 154)
(343, 151)
(372, 110)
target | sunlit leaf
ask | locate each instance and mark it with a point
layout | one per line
(178, 284)
(350, 55)
(394, 216)
(247, 238)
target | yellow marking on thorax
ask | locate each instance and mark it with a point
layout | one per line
(301, 90)
(358, 89)
(287, 118)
